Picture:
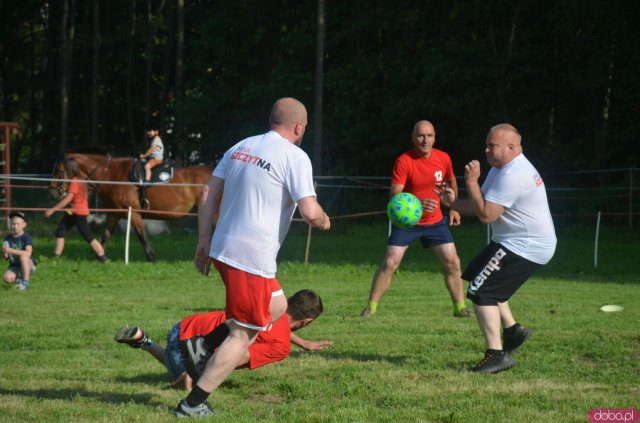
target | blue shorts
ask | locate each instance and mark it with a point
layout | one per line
(429, 235)
(172, 354)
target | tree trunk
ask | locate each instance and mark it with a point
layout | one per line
(35, 150)
(48, 61)
(2, 97)
(317, 126)
(150, 43)
(606, 108)
(95, 74)
(179, 129)
(503, 82)
(167, 97)
(132, 37)
(67, 37)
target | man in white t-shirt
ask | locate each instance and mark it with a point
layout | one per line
(244, 214)
(513, 200)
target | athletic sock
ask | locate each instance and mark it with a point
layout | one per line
(458, 306)
(197, 396)
(147, 345)
(214, 338)
(495, 352)
(373, 306)
(510, 330)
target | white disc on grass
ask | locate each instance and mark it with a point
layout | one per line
(610, 308)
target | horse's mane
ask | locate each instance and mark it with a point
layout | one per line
(89, 149)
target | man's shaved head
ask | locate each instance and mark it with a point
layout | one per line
(287, 112)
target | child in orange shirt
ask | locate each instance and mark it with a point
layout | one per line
(77, 214)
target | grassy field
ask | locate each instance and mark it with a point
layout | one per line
(58, 362)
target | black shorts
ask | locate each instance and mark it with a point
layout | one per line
(496, 274)
(71, 220)
(429, 235)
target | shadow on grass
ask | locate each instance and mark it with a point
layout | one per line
(148, 379)
(354, 356)
(70, 394)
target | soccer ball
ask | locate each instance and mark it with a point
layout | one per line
(404, 210)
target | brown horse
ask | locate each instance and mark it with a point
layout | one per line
(166, 201)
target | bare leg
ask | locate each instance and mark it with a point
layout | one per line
(147, 172)
(59, 247)
(157, 352)
(506, 318)
(452, 274)
(489, 322)
(183, 380)
(97, 247)
(25, 266)
(9, 277)
(382, 279)
(224, 361)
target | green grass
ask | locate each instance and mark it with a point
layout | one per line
(58, 362)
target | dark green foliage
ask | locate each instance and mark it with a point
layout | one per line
(564, 73)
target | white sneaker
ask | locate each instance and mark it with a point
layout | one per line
(200, 410)
(22, 285)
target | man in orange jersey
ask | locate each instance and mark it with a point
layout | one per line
(419, 171)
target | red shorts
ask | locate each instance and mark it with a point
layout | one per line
(248, 296)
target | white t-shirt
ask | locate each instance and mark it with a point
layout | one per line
(525, 227)
(159, 152)
(265, 176)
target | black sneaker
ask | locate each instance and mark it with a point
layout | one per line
(200, 410)
(494, 363)
(515, 341)
(195, 356)
(134, 337)
(102, 259)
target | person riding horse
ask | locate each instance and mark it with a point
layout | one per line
(155, 152)
(110, 177)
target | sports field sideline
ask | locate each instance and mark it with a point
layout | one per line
(58, 362)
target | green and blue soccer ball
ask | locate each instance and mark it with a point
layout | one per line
(404, 210)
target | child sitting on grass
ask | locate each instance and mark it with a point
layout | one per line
(18, 248)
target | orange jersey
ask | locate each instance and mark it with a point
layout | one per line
(419, 176)
(270, 346)
(80, 202)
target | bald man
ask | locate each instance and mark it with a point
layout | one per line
(513, 200)
(418, 171)
(254, 191)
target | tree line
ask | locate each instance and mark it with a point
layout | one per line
(94, 72)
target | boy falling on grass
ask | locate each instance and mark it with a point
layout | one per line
(270, 346)
(18, 248)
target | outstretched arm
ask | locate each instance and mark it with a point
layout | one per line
(309, 345)
(61, 205)
(208, 207)
(313, 214)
